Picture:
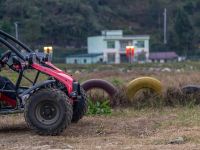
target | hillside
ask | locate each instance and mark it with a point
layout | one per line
(67, 23)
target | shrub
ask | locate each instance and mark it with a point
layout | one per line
(99, 107)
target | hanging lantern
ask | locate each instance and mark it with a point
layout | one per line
(130, 51)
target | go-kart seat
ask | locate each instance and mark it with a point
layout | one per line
(6, 84)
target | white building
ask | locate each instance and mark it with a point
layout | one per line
(85, 59)
(111, 44)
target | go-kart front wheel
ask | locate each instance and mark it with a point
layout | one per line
(48, 112)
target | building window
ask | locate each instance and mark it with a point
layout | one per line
(139, 44)
(110, 44)
(85, 61)
(125, 43)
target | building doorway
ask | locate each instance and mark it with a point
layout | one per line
(123, 58)
(111, 58)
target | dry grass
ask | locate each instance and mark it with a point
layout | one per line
(172, 83)
(125, 129)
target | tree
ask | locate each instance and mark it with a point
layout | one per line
(6, 26)
(189, 7)
(184, 31)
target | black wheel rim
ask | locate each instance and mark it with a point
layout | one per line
(47, 112)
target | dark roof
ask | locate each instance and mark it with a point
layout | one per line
(86, 55)
(163, 55)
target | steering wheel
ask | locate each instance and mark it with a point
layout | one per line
(5, 57)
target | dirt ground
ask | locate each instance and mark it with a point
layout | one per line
(124, 129)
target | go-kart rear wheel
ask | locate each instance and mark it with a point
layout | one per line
(80, 107)
(48, 112)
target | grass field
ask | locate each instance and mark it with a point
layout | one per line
(126, 127)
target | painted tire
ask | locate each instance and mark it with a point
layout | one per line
(100, 84)
(143, 82)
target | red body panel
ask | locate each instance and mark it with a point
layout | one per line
(8, 100)
(58, 74)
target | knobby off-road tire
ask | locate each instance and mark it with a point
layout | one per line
(100, 84)
(48, 111)
(80, 107)
(141, 83)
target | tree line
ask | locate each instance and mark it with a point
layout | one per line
(68, 23)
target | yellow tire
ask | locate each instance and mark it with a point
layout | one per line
(142, 83)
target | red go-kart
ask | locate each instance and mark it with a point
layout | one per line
(49, 106)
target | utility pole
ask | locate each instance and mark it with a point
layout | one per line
(16, 30)
(165, 26)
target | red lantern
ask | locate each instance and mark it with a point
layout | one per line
(130, 51)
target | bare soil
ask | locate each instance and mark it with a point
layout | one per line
(123, 129)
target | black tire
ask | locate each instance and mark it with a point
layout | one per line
(80, 107)
(100, 84)
(48, 111)
(190, 89)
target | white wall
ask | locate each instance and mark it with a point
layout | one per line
(112, 33)
(96, 44)
(147, 48)
(117, 45)
(80, 60)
